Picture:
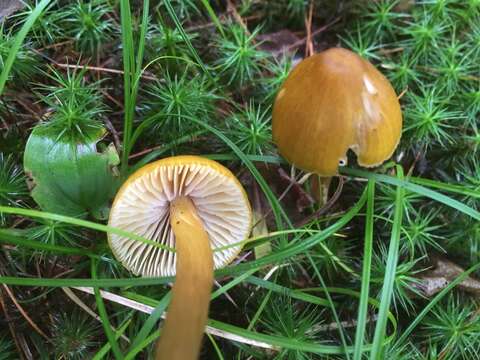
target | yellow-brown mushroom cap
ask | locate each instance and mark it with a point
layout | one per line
(331, 102)
(142, 206)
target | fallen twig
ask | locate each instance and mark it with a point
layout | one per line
(132, 304)
(24, 313)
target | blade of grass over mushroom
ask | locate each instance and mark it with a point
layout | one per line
(278, 211)
(185, 38)
(279, 256)
(80, 222)
(19, 38)
(390, 273)
(102, 311)
(367, 262)
(272, 199)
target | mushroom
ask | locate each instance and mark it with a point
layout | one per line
(332, 102)
(191, 204)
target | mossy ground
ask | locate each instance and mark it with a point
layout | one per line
(202, 81)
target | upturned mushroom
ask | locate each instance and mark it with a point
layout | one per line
(332, 102)
(191, 204)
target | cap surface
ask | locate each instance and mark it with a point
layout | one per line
(331, 102)
(142, 206)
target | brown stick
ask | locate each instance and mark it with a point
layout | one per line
(24, 313)
(100, 69)
(308, 25)
(3, 307)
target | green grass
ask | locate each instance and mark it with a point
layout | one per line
(190, 78)
(17, 43)
(367, 263)
(390, 272)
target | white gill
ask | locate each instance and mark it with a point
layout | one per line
(144, 209)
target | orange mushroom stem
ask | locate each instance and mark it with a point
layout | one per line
(188, 309)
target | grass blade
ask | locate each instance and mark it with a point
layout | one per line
(213, 17)
(80, 222)
(407, 184)
(293, 249)
(104, 316)
(459, 189)
(390, 273)
(135, 75)
(15, 237)
(19, 41)
(434, 195)
(148, 325)
(282, 290)
(128, 69)
(185, 38)
(106, 348)
(332, 307)
(367, 262)
(141, 40)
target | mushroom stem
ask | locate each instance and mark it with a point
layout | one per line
(187, 315)
(321, 186)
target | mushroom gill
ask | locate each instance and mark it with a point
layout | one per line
(144, 209)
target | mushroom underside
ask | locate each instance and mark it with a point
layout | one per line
(144, 209)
